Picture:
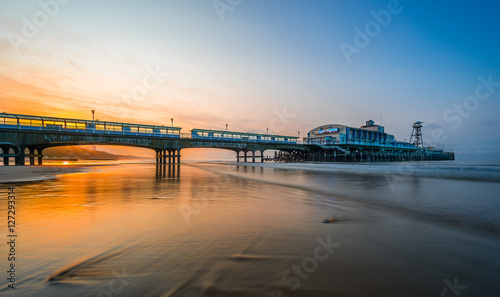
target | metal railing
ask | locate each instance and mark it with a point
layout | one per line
(363, 143)
(285, 139)
(94, 130)
(37, 123)
(30, 122)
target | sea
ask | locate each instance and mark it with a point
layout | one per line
(256, 229)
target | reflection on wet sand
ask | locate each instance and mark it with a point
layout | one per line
(170, 170)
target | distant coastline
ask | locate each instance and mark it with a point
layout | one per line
(83, 153)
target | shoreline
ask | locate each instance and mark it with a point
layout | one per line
(407, 169)
(30, 173)
(20, 174)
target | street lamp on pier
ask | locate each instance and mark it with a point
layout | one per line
(93, 123)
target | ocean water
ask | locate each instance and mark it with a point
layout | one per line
(226, 229)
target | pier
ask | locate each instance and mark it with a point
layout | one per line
(24, 137)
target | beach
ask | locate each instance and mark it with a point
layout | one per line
(224, 229)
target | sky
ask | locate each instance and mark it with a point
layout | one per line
(286, 66)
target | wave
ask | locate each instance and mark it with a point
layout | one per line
(392, 187)
(84, 268)
(487, 173)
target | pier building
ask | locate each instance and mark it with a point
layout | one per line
(370, 142)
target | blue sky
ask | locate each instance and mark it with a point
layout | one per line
(256, 59)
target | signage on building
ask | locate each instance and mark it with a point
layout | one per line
(326, 131)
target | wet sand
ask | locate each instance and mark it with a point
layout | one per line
(224, 231)
(10, 174)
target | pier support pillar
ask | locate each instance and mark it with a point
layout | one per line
(157, 156)
(172, 156)
(39, 155)
(245, 152)
(177, 155)
(20, 156)
(262, 156)
(5, 151)
(32, 156)
(253, 156)
(164, 156)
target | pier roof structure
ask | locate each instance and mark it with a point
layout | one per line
(240, 135)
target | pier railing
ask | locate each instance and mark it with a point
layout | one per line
(39, 123)
(363, 143)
